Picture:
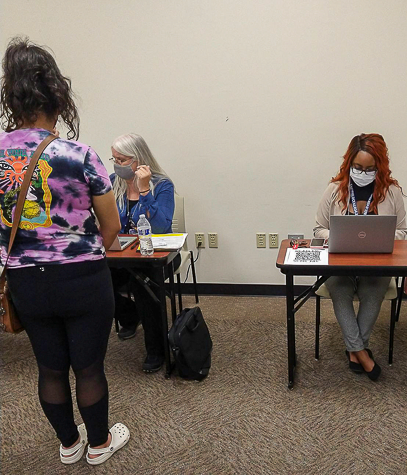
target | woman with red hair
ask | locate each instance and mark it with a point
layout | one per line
(363, 186)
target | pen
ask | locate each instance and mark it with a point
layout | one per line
(134, 245)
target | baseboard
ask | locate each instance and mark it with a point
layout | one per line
(239, 289)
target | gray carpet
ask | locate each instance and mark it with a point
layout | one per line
(242, 419)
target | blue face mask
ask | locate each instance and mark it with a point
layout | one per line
(364, 178)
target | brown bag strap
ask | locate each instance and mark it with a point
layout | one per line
(21, 200)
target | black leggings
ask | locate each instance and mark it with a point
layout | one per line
(67, 311)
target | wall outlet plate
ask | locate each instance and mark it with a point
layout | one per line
(296, 236)
(213, 239)
(273, 240)
(199, 239)
(261, 240)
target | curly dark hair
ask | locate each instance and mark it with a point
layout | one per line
(32, 84)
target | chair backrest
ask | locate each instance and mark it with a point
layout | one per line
(178, 220)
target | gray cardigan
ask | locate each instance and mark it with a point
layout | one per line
(393, 204)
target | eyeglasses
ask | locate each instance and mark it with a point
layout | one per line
(119, 161)
(368, 171)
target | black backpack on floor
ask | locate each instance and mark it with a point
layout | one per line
(191, 344)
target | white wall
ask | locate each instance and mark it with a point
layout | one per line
(248, 105)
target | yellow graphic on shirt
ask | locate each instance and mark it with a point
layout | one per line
(31, 209)
(36, 209)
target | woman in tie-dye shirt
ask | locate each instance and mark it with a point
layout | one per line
(57, 272)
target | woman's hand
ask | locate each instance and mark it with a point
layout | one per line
(143, 176)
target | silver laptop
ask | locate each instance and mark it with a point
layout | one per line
(362, 233)
(121, 242)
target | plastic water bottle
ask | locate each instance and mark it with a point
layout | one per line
(144, 234)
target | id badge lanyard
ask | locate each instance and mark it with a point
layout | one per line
(352, 197)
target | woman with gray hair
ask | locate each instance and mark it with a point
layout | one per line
(140, 186)
(139, 178)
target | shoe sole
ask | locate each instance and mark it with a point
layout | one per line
(73, 458)
(357, 371)
(126, 337)
(152, 370)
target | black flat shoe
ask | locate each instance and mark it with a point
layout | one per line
(375, 373)
(125, 333)
(369, 352)
(355, 367)
(153, 363)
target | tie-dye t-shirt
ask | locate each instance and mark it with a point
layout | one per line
(57, 223)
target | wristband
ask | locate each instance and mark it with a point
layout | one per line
(145, 191)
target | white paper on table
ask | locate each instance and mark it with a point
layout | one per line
(168, 241)
(306, 256)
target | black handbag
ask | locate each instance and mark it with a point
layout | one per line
(191, 344)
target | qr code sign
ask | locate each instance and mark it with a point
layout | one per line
(307, 257)
(302, 255)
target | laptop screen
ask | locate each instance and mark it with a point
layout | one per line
(121, 242)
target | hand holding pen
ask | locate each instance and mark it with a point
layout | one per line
(143, 177)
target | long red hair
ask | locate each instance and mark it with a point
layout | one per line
(376, 146)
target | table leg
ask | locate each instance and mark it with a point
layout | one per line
(179, 293)
(172, 291)
(163, 305)
(290, 328)
(392, 327)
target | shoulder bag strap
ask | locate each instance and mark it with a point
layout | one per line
(21, 199)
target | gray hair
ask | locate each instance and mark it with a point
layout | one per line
(133, 145)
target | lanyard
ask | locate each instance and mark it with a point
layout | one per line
(352, 197)
(130, 224)
(127, 226)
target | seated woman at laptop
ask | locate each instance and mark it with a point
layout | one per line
(363, 186)
(140, 187)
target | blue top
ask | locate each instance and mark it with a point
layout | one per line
(160, 206)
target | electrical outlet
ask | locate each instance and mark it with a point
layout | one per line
(213, 239)
(296, 236)
(199, 239)
(273, 240)
(261, 240)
